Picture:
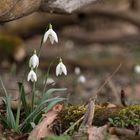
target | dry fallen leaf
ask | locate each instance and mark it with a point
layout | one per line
(97, 133)
(44, 128)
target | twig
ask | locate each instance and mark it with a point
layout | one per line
(121, 131)
(77, 122)
(89, 115)
(106, 81)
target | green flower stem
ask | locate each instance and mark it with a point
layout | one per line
(41, 45)
(34, 84)
(33, 96)
(47, 75)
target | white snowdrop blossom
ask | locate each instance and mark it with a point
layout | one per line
(81, 79)
(77, 70)
(51, 34)
(61, 68)
(34, 61)
(32, 76)
(137, 69)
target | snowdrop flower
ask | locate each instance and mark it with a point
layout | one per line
(32, 76)
(61, 68)
(51, 34)
(137, 69)
(77, 70)
(34, 60)
(81, 79)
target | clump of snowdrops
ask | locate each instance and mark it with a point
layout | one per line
(33, 113)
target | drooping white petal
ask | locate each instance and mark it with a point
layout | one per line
(34, 61)
(29, 77)
(58, 70)
(32, 76)
(54, 35)
(63, 67)
(46, 35)
(51, 39)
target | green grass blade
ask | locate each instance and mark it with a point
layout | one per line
(51, 104)
(35, 112)
(4, 89)
(50, 91)
(9, 113)
(18, 107)
(23, 99)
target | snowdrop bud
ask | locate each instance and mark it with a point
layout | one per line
(61, 68)
(32, 76)
(81, 79)
(77, 70)
(137, 69)
(51, 34)
(34, 60)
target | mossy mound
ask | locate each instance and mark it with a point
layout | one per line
(127, 117)
(103, 115)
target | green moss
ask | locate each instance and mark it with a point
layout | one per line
(127, 117)
(117, 116)
(135, 109)
(71, 114)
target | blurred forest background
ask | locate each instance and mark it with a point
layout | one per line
(96, 39)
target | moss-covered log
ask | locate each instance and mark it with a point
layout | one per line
(128, 116)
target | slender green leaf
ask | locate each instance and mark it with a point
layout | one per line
(23, 99)
(9, 113)
(36, 110)
(51, 104)
(19, 107)
(50, 91)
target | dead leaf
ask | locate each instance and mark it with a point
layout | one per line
(44, 128)
(97, 133)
